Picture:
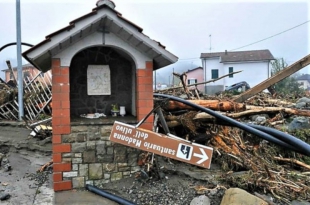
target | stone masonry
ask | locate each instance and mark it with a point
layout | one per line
(95, 159)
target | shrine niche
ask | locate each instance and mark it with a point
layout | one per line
(99, 61)
(110, 74)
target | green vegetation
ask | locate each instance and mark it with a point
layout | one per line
(288, 86)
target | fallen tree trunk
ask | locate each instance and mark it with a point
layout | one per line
(217, 105)
(290, 111)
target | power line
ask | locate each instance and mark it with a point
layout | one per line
(271, 36)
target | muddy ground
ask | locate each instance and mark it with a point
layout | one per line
(175, 183)
(25, 155)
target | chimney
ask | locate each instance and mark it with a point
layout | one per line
(225, 52)
(109, 3)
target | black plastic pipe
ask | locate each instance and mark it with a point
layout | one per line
(14, 43)
(295, 142)
(108, 195)
(298, 147)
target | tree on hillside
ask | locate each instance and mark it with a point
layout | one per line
(289, 85)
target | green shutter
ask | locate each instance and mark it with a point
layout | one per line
(231, 70)
(214, 73)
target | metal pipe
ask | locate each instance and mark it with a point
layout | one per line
(108, 195)
(301, 148)
(19, 62)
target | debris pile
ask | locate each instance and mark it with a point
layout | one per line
(37, 97)
(268, 165)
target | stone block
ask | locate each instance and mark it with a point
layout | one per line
(70, 174)
(92, 129)
(106, 176)
(100, 148)
(109, 143)
(66, 159)
(110, 150)
(78, 147)
(120, 150)
(126, 174)
(89, 156)
(107, 138)
(236, 196)
(109, 167)
(116, 176)
(75, 167)
(108, 158)
(77, 160)
(67, 155)
(106, 131)
(78, 155)
(120, 158)
(122, 169)
(83, 170)
(78, 129)
(90, 182)
(91, 145)
(133, 158)
(95, 171)
(81, 137)
(93, 136)
(71, 138)
(122, 164)
(78, 182)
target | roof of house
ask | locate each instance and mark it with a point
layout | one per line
(194, 69)
(241, 56)
(25, 66)
(54, 43)
(304, 77)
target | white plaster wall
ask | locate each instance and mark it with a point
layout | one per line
(214, 64)
(252, 72)
(306, 83)
(96, 39)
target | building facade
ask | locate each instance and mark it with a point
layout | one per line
(255, 67)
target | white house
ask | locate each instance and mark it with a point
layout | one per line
(253, 64)
(304, 81)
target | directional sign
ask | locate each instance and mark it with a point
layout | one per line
(168, 146)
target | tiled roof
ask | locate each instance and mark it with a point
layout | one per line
(240, 56)
(193, 69)
(304, 77)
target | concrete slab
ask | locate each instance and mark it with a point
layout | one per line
(80, 198)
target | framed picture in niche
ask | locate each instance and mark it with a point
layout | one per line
(98, 80)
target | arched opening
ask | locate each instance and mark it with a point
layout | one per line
(122, 81)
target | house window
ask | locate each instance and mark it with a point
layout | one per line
(214, 73)
(191, 81)
(231, 70)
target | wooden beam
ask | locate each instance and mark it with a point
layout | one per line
(274, 79)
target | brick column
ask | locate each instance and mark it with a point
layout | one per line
(145, 94)
(60, 123)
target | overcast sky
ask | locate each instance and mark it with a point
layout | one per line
(183, 26)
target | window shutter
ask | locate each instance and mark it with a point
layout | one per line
(231, 70)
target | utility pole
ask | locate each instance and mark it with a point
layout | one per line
(210, 43)
(19, 63)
